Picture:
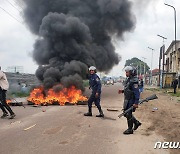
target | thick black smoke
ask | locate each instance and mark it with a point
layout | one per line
(75, 34)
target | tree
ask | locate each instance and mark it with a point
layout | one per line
(138, 64)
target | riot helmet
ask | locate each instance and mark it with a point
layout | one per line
(131, 70)
(92, 68)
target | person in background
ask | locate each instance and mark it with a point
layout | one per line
(141, 85)
(4, 85)
(174, 84)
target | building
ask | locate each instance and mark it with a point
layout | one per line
(172, 65)
(155, 77)
(15, 69)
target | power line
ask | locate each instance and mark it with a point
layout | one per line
(15, 8)
(19, 3)
(10, 15)
(13, 5)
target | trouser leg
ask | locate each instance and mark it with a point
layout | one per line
(129, 120)
(3, 109)
(135, 121)
(90, 101)
(174, 90)
(130, 123)
(97, 103)
(4, 103)
(1, 100)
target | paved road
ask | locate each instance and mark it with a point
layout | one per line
(64, 130)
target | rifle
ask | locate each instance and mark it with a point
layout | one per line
(152, 97)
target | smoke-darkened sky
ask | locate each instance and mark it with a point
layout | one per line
(76, 34)
(151, 19)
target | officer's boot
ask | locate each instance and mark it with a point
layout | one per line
(130, 126)
(89, 113)
(136, 123)
(101, 114)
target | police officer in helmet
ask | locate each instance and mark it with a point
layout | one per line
(95, 85)
(131, 98)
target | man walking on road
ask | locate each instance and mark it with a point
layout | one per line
(4, 85)
(131, 98)
(95, 85)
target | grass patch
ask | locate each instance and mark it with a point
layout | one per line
(153, 89)
(86, 83)
(177, 94)
(18, 94)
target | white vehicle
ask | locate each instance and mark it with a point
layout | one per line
(110, 81)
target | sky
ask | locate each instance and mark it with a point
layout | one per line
(152, 18)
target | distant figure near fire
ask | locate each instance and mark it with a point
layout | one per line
(95, 85)
(4, 85)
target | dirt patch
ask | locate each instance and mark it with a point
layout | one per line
(165, 120)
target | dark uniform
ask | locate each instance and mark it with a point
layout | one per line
(131, 96)
(174, 85)
(95, 85)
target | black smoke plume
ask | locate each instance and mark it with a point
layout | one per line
(75, 34)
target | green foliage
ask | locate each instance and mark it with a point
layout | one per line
(137, 63)
(152, 89)
(85, 83)
(17, 94)
(177, 94)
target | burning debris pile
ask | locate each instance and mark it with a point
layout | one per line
(73, 35)
(66, 95)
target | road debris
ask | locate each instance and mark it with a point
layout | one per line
(115, 110)
(154, 109)
(36, 105)
(29, 127)
(15, 122)
(43, 110)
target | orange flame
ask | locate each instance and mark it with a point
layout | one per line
(71, 95)
(8, 101)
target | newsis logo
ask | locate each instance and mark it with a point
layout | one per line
(167, 145)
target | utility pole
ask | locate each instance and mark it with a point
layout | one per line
(144, 67)
(151, 63)
(161, 74)
(140, 69)
(177, 68)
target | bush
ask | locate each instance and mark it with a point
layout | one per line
(85, 83)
